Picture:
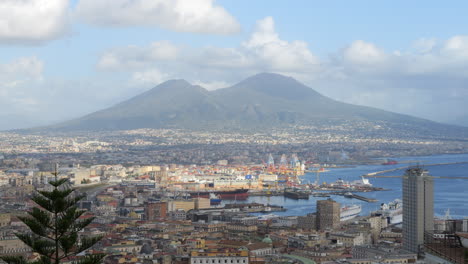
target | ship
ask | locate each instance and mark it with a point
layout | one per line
(390, 162)
(237, 194)
(349, 212)
(392, 211)
(320, 194)
(215, 199)
(296, 194)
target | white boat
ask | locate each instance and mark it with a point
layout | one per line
(363, 182)
(393, 211)
(349, 212)
(267, 217)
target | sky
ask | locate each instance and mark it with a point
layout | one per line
(62, 59)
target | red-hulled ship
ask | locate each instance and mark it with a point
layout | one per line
(390, 162)
(237, 194)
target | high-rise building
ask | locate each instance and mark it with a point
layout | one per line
(418, 207)
(328, 214)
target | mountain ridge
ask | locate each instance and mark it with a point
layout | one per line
(262, 101)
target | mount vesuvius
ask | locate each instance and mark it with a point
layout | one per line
(262, 101)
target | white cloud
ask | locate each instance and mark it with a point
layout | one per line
(277, 54)
(151, 77)
(19, 80)
(213, 85)
(263, 51)
(198, 16)
(20, 70)
(456, 46)
(136, 57)
(364, 53)
(424, 45)
(30, 21)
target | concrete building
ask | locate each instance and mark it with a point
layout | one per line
(240, 256)
(238, 227)
(286, 221)
(11, 245)
(5, 220)
(202, 203)
(328, 214)
(348, 239)
(185, 205)
(155, 210)
(307, 221)
(418, 208)
(178, 215)
(381, 254)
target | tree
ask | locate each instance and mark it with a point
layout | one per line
(55, 225)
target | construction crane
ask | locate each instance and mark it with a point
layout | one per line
(317, 176)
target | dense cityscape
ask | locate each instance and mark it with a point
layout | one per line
(152, 209)
(165, 146)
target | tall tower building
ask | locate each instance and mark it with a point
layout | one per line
(328, 214)
(418, 207)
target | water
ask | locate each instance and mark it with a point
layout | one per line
(448, 193)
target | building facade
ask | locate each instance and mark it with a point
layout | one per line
(156, 210)
(328, 214)
(418, 207)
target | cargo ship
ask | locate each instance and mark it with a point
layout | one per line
(237, 194)
(390, 162)
(296, 194)
(392, 211)
(349, 212)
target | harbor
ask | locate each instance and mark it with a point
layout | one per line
(296, 189)
(391, 188)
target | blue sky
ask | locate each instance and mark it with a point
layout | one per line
(61, 59)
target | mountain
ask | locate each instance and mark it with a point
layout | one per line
(262, 101)
(460, 121)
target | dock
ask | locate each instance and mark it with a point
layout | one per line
(266, 193)
(373, 174)
(359, 197)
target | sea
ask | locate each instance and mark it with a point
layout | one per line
(449, 194)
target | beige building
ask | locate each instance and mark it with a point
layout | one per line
(202, 203)
(377, 223)
(237, 257)
(349, 240)
(5, 220)
(12, 245)
(241, 227)
(185, 205)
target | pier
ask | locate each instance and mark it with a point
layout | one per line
(375, 174)
(399, 176)
(355, 196)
